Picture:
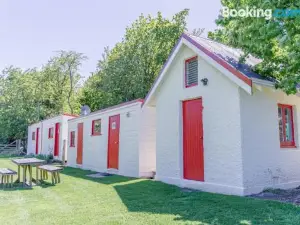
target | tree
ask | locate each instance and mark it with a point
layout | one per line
(18, 104)
(275, 41)
(28, 96)
(128, 70)
(62, 73)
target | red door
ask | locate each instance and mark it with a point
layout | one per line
(113, 142)
(56, 140)
(79, 143)
(37, 141)
(193, 160)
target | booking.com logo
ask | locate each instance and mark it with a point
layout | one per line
(260, 13)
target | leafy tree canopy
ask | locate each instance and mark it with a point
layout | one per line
(28, 96)
(128, 70)
(275, 41)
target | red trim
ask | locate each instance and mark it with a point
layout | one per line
(192, 134)
(219, 60)
(113, 142)
(73, 115)
(72, 139)
(56, 140)
(114, 107)
(185, 78)
(287, 144)
(223, 63)
(93, 127)
(50, 134)
(37, 141)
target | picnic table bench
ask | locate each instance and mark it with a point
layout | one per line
(7, 177)
(54, 170)
(27, 164)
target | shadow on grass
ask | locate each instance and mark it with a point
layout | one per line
(19, 186)
(159, 198)
(148, 196)
(82, 174)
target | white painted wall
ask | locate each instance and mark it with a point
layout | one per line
(147, 142)
(221, 124)
(265, 164)
(95, 147)
(31, 144)
(46, 145)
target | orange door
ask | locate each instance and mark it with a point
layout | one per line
(113, 142)
(79, 143)
(56, 139)
(37, 140)
(193, 157)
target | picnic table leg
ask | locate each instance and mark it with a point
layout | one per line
(24, 175)
(4, 185)
(37, 175)
(19, 174)
(58, 177)
(11, 180)
(30, 175)
(52, 176)
(55, 176)
(2, 180)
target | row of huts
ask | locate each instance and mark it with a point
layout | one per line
(208, 123)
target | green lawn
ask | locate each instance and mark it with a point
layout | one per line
(120, 200)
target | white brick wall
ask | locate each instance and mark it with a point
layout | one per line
(46, 145)
(265, 163)
(31, 144)
(221, 125)
(95, 147)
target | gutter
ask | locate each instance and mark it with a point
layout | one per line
(263, 82)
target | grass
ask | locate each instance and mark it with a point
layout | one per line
(120, 200)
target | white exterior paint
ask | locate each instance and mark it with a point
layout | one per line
(265, 164)
(242, 153)
(31, 144)
(136, 141)
(222, 152)
(46, 144)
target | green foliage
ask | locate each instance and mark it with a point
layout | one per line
(28, 96)
(128, 71)
(275, 41)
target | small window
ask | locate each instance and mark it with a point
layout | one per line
(191, 72)
(33, 136)
(72, 139)
(50, 133)
(286, 125)
(96, 127)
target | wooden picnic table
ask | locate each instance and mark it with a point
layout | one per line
(54, 170)
(27, 164)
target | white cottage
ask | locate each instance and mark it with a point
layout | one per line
(219, 126)
(47, 136)
(119, 140)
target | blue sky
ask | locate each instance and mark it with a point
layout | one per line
(32, 30)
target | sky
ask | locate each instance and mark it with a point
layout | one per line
(31, 31)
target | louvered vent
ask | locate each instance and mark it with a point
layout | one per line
(191, 72)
